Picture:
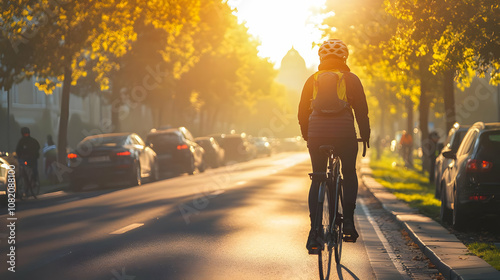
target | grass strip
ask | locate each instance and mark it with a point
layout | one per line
(413, 187)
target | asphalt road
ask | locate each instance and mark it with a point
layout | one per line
(245, 221)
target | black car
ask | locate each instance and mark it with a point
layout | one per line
(177, 151)
(452, 142)
(214, 153)
(112, 158)
(237, 148)
(7, 171)
(262, 145)
(471, 183)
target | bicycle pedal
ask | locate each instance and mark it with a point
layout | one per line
(314, 251)
(349, 238)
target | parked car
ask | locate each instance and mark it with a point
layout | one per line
(4, 181)
(237, 147)
(292, 144)
(471, 183)
(452, 142)
(112, 158)
(214, 153)
(177, 151)
(262, 145)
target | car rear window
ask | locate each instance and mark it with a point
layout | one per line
(166, 138)
(489, 145)
(111, 141)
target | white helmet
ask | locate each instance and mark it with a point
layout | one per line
(335, 47)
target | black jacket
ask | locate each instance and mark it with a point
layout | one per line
(28, 148)
(312, 125)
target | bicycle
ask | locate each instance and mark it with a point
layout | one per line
(329, 216)
(30, 184)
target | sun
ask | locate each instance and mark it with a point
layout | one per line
(283, 24)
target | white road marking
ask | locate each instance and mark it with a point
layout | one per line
(58, 193)
(384, 241)
(217, 192)
(127, 228)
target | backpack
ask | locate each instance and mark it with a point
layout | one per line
(329, 92)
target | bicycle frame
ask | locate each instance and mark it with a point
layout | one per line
(28, 178)
(329, 226)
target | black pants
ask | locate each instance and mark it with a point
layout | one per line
(347, 150)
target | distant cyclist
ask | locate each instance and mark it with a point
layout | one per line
(50, 157)
(342, 91)
(28, 151)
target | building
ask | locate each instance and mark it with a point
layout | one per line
(293, 71)
(89, 114)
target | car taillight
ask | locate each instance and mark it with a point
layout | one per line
(126, 153)
(182, 147)
(478, 197)
(474, 165)
(72, 156)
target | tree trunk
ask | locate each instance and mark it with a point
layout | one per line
(115, 107)
(423, 109)
(381, 136)
(410, 117)
(409, 125)
(449, 98)
(64, 117)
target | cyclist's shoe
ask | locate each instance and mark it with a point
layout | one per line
(350, 233)
(313, 244)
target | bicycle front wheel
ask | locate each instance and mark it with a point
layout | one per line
(338, 220)
(325, 256)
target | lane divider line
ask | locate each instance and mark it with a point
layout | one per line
(127, 228)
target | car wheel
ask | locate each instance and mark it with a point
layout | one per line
(459, 216)
(438, 183)
(445, 212)
(136, 175)
(156, 171)
(76, 187)
(203, 166)
(192, 167)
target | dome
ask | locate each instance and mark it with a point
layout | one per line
(293, 59)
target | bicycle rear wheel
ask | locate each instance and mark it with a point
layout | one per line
(35, 188)
(325, 256)
(338, 218)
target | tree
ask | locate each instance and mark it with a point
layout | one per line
(230, 78)
(459, 36)
(62, 37)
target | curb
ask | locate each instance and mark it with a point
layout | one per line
(449, 254)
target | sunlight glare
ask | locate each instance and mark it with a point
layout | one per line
(281, 24)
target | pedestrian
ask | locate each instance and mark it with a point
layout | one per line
(433, 153)
(50, 158)
(406, 143)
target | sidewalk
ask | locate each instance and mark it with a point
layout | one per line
(443, 249)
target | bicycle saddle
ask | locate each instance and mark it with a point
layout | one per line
(327, 149)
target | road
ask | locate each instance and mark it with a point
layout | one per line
(244, 221)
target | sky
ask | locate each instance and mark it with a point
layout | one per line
(281, 24)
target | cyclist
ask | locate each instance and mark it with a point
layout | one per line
(28, 150)
(335, 129)
(50, 155)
